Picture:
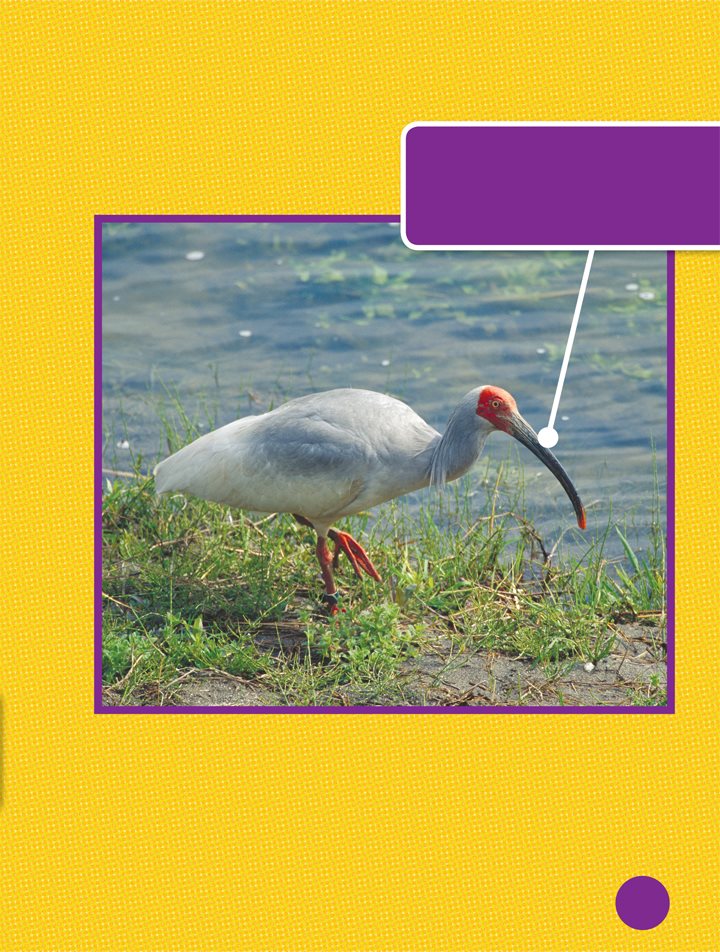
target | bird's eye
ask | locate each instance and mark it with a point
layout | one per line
(495, 404)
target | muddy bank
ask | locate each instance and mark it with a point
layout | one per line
(442, 676)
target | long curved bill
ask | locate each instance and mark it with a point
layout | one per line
(522, 431)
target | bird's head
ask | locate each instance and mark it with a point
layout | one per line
(499, 409)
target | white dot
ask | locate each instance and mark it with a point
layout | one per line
(195, 255)
(564, 418)
(384, 363)
(548, 437)
(540, 350)
(632, 287)
(647, 295)
(245, 333)
(123, 445)
(589, 666)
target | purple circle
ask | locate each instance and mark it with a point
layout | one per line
(642, 902)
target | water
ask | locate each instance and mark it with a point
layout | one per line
(238, 317)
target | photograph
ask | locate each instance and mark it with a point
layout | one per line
(327, 482)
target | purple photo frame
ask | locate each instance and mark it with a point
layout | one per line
(101, 708)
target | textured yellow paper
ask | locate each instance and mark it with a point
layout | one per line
(265, 832)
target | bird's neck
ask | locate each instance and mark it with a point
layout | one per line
(460, 445)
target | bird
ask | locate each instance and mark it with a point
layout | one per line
(327, 455)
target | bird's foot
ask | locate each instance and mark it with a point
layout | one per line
(332, 602)
(358, 557)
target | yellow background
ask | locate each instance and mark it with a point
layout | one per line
(266, 832)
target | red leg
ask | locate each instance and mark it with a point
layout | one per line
(344, 542)
(358, 557)
(325, 559)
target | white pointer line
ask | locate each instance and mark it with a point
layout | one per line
(548, 435)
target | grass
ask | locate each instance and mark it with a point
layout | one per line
(193, 587)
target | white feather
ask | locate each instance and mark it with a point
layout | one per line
(322, 456)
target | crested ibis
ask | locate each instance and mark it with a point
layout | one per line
(333, 454)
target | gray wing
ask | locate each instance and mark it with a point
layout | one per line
(320, 456)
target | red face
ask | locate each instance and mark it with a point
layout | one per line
(496, 406)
